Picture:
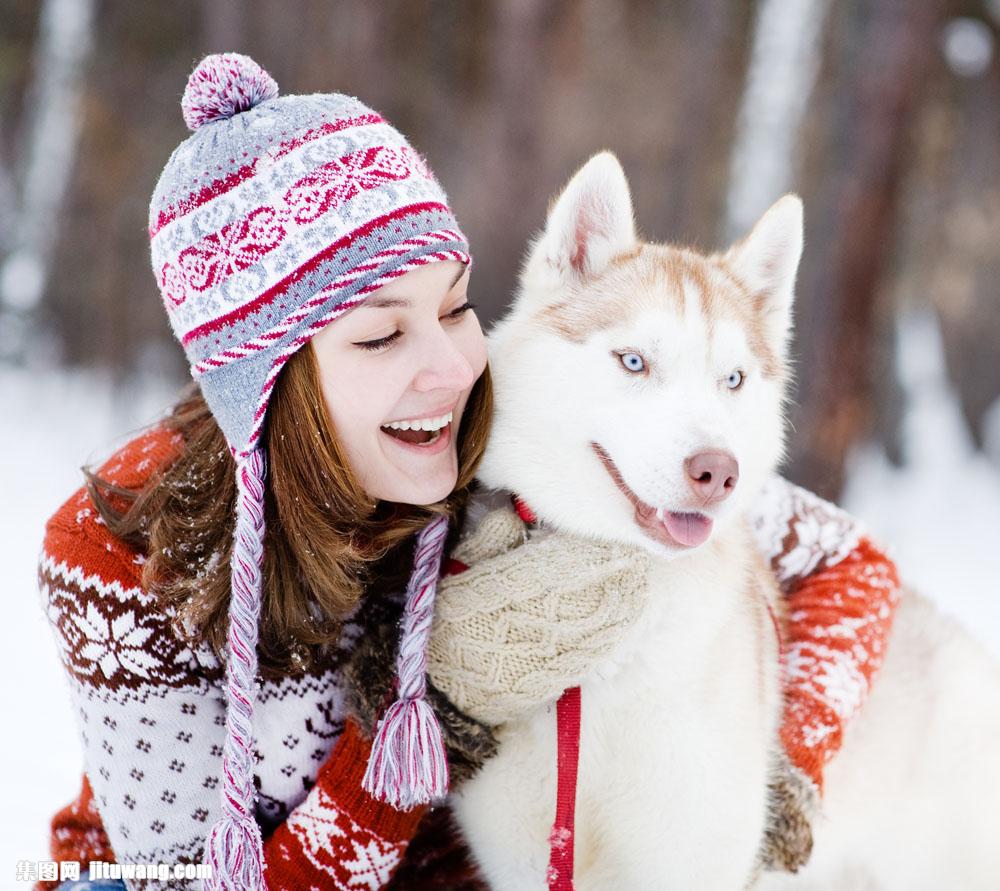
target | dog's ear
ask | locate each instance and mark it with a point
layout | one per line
(588, 224)
(767, 260)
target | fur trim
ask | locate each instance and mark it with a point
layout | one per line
(793, 803)
(437, 858)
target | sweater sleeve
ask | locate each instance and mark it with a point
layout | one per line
(340, 838)
(842, 591)
(151, 717)
(149, 710)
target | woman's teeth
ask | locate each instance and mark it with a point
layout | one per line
(422, 431)
(430, 424)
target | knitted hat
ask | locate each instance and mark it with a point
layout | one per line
(276, 216)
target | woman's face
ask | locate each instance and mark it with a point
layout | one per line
(396, 373)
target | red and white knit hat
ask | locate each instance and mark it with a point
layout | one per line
(275, 217)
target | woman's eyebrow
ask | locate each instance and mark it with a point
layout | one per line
(383, 302)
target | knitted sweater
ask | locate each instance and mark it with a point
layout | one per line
(151, 711)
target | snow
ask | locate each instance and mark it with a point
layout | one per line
(22, 278)
(940, 513)
(54, 423)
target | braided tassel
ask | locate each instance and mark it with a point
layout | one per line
(233, 847)
(407, 765)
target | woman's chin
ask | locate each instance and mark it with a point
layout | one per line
(422, 499)
(428, 489)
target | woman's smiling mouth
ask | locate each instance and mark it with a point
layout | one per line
(427, 435)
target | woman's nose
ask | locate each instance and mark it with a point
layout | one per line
(443, 367)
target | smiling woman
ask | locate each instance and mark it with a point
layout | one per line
(205, 586)
(396, 374)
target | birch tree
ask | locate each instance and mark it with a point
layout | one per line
(45, 164)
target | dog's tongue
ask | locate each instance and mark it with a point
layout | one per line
(690, 530)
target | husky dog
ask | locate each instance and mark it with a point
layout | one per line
(624, 373)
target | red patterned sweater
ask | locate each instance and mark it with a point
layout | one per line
(151, 709)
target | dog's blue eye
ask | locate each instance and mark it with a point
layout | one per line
(632, 362)
(735, 379)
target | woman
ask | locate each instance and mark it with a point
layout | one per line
(210, 606)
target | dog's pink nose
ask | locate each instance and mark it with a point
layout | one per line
(712, 475)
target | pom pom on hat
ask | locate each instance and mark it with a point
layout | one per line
(223, 85)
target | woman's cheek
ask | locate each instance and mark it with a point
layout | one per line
(475, 351)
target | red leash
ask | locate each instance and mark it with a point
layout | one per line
(560, 872)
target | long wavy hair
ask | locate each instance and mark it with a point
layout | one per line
(326, 547)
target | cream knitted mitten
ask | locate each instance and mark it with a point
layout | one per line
(530, 617)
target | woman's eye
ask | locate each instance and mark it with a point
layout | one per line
(632, 362)
(379, 344)
(735, 379)
(382, 342)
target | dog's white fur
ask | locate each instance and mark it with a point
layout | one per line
(679, 725)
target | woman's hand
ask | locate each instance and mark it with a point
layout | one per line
(529, 617)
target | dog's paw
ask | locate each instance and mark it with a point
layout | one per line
(793, 802)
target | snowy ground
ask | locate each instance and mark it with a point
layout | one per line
(53, 424)
(940, 513)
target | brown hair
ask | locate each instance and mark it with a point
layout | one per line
(326, 544)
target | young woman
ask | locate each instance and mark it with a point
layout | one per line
(223, 591)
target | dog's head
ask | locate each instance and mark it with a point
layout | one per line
(640, 387)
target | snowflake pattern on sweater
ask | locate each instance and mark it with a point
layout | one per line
(842, 593)
(151, 709)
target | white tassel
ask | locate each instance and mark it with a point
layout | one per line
(408, 766)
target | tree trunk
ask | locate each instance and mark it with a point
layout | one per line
(849, 232)
(47, 161)
(784, 62)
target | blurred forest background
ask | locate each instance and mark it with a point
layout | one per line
(883, 114)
